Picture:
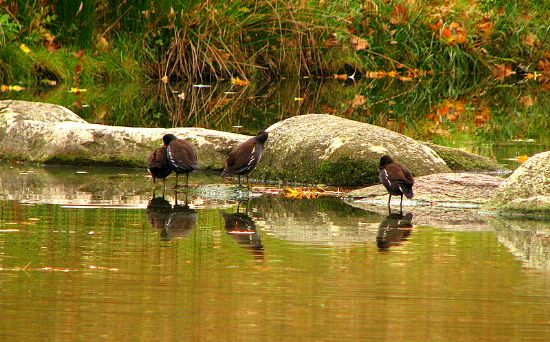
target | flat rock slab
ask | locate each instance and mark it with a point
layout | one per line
(447, 200)
(453, 190)
(46, 133)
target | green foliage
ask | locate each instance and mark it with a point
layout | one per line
(8, 29)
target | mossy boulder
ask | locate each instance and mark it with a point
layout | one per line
(462, 161)
(47, 133)
(526, 191)
(320, 148)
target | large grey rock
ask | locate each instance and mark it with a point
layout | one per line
(320, 148)
(46, 133)
(526, 191)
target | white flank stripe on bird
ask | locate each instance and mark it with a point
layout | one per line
(387, 177)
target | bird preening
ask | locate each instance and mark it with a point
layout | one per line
(180, 156)
(176, 155)
(397, 179)
(244, 158)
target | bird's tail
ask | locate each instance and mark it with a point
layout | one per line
(407, 190)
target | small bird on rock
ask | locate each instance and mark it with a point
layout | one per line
(396, 178)
(182, 156)
(244, 158)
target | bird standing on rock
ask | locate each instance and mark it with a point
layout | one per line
(244, 158)
(396, 178)
(182, 156)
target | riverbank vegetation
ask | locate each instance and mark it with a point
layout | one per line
(77, 42)
(444, 71)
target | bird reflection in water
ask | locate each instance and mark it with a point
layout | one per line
(393, 230)
(174, 222)
(243, 229)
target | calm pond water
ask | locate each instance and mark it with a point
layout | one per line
(86, 254)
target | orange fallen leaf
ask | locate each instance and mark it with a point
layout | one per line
(79, 54)
(522, 159)
(358, 100)
(239, 82)
(359, 43)
(342, 77)
(502, 71)
(527, 100)
(531, 39)
(399, 15)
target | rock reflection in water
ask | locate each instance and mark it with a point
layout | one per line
(243, 229)
(393, 230)
(174, 222)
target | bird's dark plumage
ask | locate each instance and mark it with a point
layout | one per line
(396, 178)
(244, 158)
(182, 156)
(158, 165)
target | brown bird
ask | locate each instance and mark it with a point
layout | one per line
(182, 156)
(244, 158)
(396, 178)
(158, 165)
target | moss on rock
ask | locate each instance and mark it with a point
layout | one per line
(462, 161)
(347, 172)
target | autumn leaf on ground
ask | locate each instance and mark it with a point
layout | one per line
(239, 82)
(453, 33)
(544, 65)
(102, 44)
(437, 26)
(25, 48)
(77, 90)
(359, 43)
(485, 26)
(482, 116)
(502, 71)
(79, 54)
(399, 15)
(78, 69)
(358, 100)
(530, 40)
(527, 100)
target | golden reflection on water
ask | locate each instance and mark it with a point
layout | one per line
(267, 269)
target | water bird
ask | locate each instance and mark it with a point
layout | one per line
(396, 178)
(158, 165)
(244, 158)
(182, 156)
